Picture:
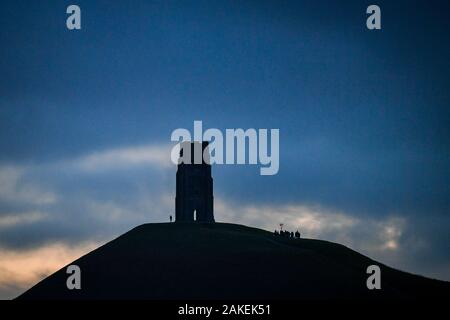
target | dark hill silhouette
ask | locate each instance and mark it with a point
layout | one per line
(227, 261)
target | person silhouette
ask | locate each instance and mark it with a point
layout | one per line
(170, 218)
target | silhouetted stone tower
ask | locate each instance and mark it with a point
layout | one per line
(194, 199)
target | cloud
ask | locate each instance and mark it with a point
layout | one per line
(19, 270)
(7, 221)
(361, 233)
(124, 158)
(14, 188)
(89, 196)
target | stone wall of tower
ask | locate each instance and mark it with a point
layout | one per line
(194, 199)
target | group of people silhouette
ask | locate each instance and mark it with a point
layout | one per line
(288, 234)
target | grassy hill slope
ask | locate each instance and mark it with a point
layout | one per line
(227, 261)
